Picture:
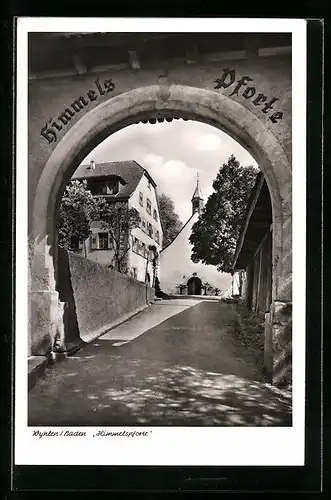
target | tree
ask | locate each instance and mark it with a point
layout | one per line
(171, 223)
(77, 210)
(118, 220)
(214, 235)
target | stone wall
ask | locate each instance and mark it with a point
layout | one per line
(95, 296)
(281, 319)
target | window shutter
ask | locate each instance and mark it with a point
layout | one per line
(94, 242)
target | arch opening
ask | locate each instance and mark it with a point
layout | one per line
(143, 103)
(194, 286)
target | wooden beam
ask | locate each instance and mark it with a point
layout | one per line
(262, 242)
(275, 51)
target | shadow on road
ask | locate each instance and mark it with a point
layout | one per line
(186, 372)
(176, 395)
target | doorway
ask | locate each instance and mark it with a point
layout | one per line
(194, 286)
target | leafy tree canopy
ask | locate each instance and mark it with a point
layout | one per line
(214, 236)
(171, 222)
(77, 210)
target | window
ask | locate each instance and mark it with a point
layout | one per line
(134, 272)
(143, 224)
(142, 248)
(141, 199)
(155, 214)
(94, 242)
(103, 241)
(135, 244)
(149, 206)
(196, 205)
(111, 188)
(150, 230)
(122, 243)
(149, 184)
(157, 236)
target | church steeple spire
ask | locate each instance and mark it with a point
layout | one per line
(197, 198)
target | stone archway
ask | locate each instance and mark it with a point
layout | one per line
(125, 109)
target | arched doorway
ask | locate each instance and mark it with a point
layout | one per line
(194, 286)
(130, 107)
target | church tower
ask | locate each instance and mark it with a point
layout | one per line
(197, 199)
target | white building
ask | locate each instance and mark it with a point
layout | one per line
(178, 273)
(130, 183)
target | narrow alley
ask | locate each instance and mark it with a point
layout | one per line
(177, 363)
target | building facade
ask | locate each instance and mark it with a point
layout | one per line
(179, 274)
(129, 183)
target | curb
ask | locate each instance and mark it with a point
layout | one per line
(107, 328)
(37, 364)
(36, 369)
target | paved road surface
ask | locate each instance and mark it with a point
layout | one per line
(176, 363)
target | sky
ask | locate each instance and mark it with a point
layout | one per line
(173, 153)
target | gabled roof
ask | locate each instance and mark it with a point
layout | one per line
(129, 171)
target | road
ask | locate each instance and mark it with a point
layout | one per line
(176, 363)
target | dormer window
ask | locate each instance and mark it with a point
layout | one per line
(104, 187)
